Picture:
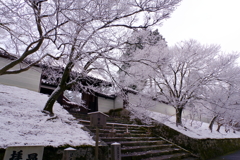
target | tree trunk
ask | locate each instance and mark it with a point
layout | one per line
(59, 90)
(52, 99)
(124, 94)
(125, 100)
(212, 122)
(179, 116)
(219, 126)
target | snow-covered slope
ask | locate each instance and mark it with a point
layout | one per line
(194, 129)
(23, 123)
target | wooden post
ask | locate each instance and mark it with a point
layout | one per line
(96, 144)
(127, 132)
(148, 132)
(97, 119)
(112, 130)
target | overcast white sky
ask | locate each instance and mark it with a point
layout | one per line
(207, 21)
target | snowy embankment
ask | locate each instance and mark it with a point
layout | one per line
(194, 129)
(23, 123)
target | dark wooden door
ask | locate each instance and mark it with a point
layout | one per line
(91, 102)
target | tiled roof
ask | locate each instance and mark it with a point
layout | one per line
(52, 76)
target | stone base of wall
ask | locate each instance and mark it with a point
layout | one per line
(82, 152)
(204, 148)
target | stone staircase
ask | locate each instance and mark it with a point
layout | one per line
(136, 140)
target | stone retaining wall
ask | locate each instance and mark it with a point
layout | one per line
(205, 148)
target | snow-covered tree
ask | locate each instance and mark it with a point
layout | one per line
(96, 32)
(28, 30)
(222, 101)
(186, 74)
(223, 106)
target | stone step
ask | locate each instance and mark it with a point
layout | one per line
(119, 120)
(116, 127)
(119, 125)
(123, 135)
(145, 148)
(175, 156)
(136, 139)
(118, 131)
(138, 143)
(150, 153)
(109, 119)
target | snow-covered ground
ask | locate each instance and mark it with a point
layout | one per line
(23, 123)
(194, 129)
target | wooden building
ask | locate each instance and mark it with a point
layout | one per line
(93, 101)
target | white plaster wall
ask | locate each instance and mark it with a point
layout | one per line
(104, 104)
(163, 108)
(159, 107)
(118, 103)
(29, 79)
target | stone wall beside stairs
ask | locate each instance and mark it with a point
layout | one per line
(205, 148)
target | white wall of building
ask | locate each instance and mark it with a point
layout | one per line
(163, 108)
(29, 79)
(118, 103)
(150, 104)
(155, 106)
(159, 107)
(105, 104)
